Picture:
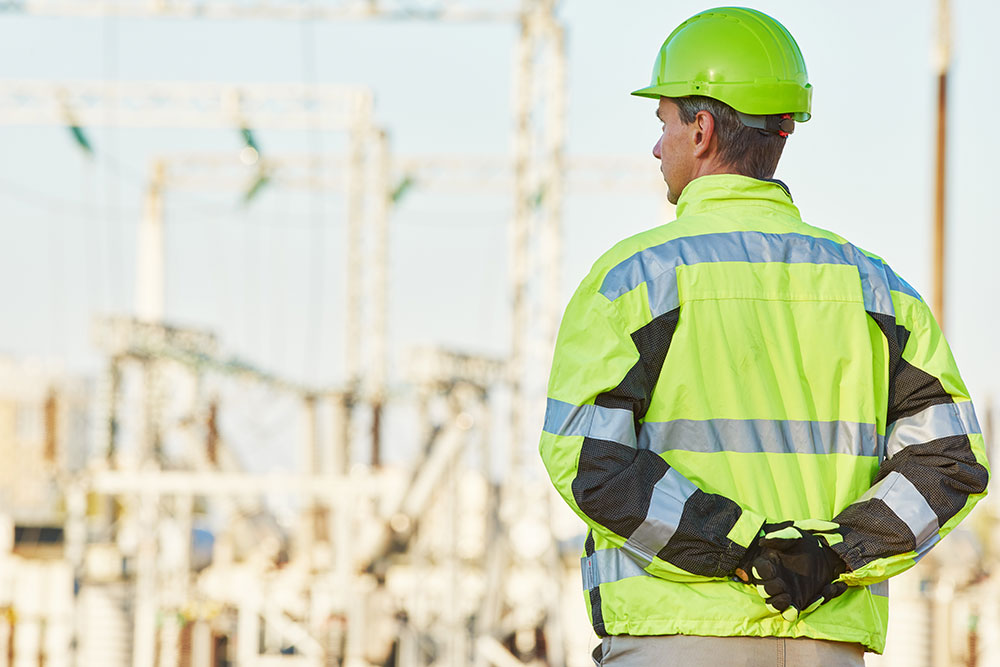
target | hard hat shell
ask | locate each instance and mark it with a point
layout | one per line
(739, 56)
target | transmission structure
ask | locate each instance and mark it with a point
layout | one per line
(454, 390)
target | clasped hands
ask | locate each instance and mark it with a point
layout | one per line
(793, 567)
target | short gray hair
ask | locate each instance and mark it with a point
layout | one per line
(750, 151)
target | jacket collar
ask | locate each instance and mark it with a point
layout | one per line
(722, 190)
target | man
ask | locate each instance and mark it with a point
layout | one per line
(759, 422)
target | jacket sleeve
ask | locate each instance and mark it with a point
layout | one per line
(934, 467)
(603, 375)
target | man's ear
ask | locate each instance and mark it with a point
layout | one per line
(704, 131)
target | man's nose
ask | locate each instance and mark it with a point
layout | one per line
(656, 147)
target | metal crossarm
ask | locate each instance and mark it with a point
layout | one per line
(185, 105)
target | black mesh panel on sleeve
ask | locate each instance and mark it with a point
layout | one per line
(636, 389)
(896, 337)
(915, 391)
(945, 471)
(699, 544)
(871, 531)
(614, 482)
(911, 390)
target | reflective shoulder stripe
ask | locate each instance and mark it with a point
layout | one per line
(753, 436)
(606, 566)
(906, 502)
(897, 284)
(592, 421)
(665, 508)
(656, 265)
(931, 423)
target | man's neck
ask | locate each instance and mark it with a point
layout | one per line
(712, 166)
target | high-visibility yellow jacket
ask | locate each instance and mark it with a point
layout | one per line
(738, 366)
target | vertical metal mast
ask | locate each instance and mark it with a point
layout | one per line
(944, 588)
(150, 283)
(519, 230)
(355, 257)
(554, 170)
(535, 228)
(379, 289)
(943, 62)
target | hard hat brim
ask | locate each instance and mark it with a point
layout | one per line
(744, 97)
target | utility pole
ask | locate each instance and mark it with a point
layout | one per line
(943, 61)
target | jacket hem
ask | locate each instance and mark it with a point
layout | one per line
(710, 628)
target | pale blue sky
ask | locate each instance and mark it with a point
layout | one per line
(861, 167)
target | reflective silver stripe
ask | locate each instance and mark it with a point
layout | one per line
(760, 435)
(605, 566)
(615, 424)
(591, 421)
(587, 567)
(563, 418)
(907, 503)
(664, 514)
(922, 549)
(881, 588)
(656, 265)
(937, 421)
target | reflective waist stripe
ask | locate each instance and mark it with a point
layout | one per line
(761, 435)
(724, 435)
(881, 588)
(606, 566)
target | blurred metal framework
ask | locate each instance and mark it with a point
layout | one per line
(354, 518)
(327, 10)
(208, 105)
(454, 391)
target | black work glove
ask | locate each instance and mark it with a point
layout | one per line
(794, 569)
(753, 551)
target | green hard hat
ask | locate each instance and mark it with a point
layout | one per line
(739, 56)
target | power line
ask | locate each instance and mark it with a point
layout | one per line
(53, 204)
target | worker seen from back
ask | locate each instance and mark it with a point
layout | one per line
(759, 422)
